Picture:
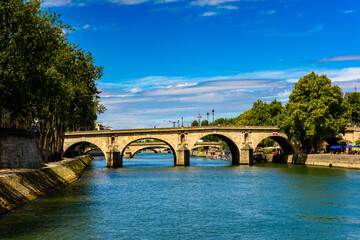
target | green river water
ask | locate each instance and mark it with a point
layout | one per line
(151, 199)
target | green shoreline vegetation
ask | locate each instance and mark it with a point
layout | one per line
(44, 78)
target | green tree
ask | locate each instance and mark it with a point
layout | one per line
(353, 105)
(223, 122)
(211, 138)
(261, 114)
(204, 122)
(315, 111)
(29, 40)
(224, 146)
(44, 76)
(244, 118)
(267, 142)
(195, 123)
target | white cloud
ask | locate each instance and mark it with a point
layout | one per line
(186, 84)
(347, 11)
(86, 26)
(342, 75)
(208, 14)
(210, 2)
(268, 12)
(128, 2)
(56, 3)
(135, 90)
(340, 58)
(214, 86)
(228, 7)
(165, 1)
(292, 80)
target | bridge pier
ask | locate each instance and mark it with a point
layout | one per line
(246, 155)
(113, 159)
(182, 156)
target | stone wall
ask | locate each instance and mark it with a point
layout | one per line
(18, 187)
(327, 160)
(18, 149)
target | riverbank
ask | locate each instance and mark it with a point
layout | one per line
(325, 160)
(18, 187)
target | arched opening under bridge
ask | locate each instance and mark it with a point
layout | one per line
(273, 149)
(82, 148)
(227, 151)
(147, 151)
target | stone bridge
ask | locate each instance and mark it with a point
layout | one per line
(240, 139)
(136, 147)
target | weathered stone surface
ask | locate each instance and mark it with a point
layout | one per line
(182, 156)
(336, 160)
(18, 187)
(246, 155)
(18, 149)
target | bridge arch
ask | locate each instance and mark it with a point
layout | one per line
(125, 153)
(145, 148)
(69, 150)
(151, 148)
(234, 149)
(283, 142)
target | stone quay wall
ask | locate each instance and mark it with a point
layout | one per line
(18, 149)
(326, 160)
(18, 187)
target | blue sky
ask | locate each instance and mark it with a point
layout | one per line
(164, 59)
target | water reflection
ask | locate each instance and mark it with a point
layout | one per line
(151, 199)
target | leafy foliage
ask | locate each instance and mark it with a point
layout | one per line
(267, 142)
(195, 123)
(204, 122)
(353, 106)
(45, 77)
(261, 114)
(223, 122)
(315, 111)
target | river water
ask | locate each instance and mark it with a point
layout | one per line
(151, 199)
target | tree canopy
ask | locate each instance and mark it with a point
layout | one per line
(315, 111)
(204, 122)
(223, 122)
(261, 114)
(43, 76)
(195, 123)
(353, 106)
